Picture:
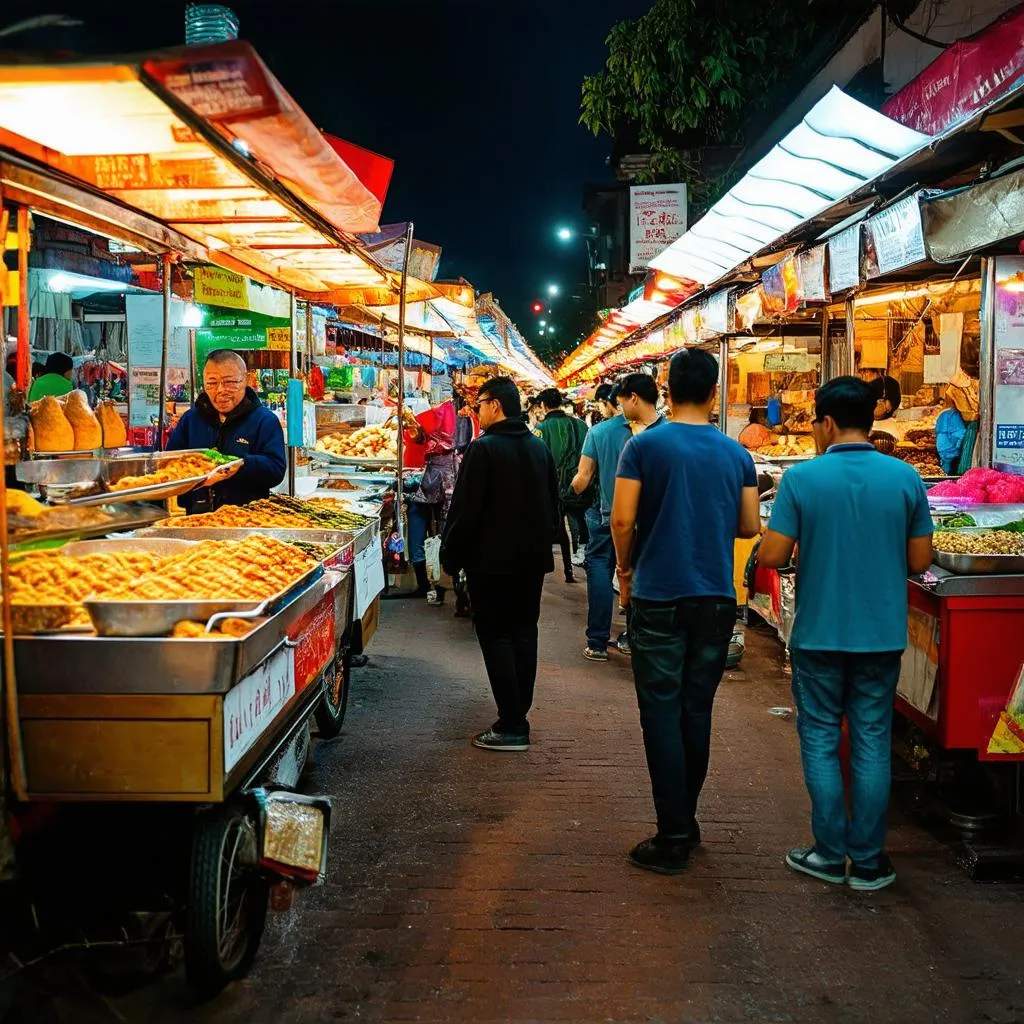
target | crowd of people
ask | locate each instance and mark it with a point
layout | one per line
(658, 498)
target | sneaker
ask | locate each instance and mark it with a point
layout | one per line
(580, 558)
(623, 647)
(660, 856)
(809, 862)
(593, 654)
(872, 879)
(491, 740)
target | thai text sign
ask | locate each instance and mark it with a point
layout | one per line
(657, 217)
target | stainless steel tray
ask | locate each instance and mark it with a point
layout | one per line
(390, 462)
(158, 618)
(980, 565)
(116, 469)
(343, 538)
(159, 546)
(210, 665)
(123, 517)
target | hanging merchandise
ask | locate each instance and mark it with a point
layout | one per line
(368, 376)
(339, 378)
(315, 383)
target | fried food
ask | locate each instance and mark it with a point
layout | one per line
(251, 569)
(115, 434)
(51, 430)
(339, 484)
(994, 543)
(278, 512)
(191, 630)
(86, 427)
(191, 465)
(366, 443)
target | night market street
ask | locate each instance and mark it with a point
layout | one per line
(476, 886)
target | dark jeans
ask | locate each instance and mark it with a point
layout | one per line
(679, 654)
(600, 568)
(421, 518)
(506, 610)
(826, 686)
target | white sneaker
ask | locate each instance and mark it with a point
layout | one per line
(579, 558)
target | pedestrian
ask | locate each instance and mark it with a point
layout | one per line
(684, 493)
(862, 523)
(564, 436)
(638, 396)
(500, 529)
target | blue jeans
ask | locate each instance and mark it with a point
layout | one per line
(826, 686)
(600, 568)
(421, 516)
(679, 654)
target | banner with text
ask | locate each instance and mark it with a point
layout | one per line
(657, 218)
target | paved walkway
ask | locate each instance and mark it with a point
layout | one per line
(468, 886)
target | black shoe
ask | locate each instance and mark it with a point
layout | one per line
(569, 578)
(690, 838)
(872, 879)
(808, 861)
(659, 856)
(491, 740)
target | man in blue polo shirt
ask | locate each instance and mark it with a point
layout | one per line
(861, 522)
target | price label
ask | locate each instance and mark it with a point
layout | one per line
(279, 339)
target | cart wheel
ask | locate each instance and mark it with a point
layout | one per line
(330, 711)
(227, 901)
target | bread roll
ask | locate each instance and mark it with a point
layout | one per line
(115, 435)
(50, 427)
(88, 434)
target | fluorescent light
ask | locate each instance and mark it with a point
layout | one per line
(193, 316)
(62, 282)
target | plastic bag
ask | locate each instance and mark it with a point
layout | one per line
(432, 549)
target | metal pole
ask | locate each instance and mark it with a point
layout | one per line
(309, 336)
(292, 372)
(162, 416)
(723, 384)
(23, 359)
(399, 511)
(825, 359)
(986, 364)
(848, 354)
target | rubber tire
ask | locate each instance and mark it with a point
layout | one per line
(330, 714)
(205, 971)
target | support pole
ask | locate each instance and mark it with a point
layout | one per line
(723, 384)
(399, 510)
(293, 358)
(164, 352)
(847, 356)
(23, 361)
(986, 364)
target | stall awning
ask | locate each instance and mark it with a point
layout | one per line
(839, 146)
(207, 141)
(974, 219)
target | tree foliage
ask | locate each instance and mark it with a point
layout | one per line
(690, 74)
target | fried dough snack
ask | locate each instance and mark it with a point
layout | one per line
(171, 470)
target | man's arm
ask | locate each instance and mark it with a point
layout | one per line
(584, 474)
(776, 550)
(624, 512)
(919, 554)
(750, 514)
(464, 512)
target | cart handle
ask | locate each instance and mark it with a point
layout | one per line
(256, 613)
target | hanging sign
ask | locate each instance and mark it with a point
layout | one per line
(657, 217)
(790, 362)
(144, 320)
(780, 287)
(810, 272)
(214, 286)
(1008, 342)
(844, 260)
(715, 314)
(894, 238)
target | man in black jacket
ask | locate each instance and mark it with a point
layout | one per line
(501, 528)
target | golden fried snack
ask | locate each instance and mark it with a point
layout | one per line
(187, 466)
(50, 427)
(115, 434)
(88, 433)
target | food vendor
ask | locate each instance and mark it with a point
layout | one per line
(888, 394)
(229, 416)
(56, 380)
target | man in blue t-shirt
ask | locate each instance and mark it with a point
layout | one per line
(684, 493)
(638, 395)
(861, 522)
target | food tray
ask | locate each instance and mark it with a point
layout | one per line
(782, 460)
(158, 618)
(980, 565)
(349, 542)
(391, 462)
(116, 469)
(159, 546)
(122, 517)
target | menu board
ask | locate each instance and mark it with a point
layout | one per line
(894, 238)
(844, 260)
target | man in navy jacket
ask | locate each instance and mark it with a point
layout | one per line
(229, 416)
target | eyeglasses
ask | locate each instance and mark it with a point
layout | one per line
(221, 385)
(476, 407)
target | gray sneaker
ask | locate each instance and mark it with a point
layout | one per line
(808, 861)
(622, 646)
(872, 879)
(491, 740)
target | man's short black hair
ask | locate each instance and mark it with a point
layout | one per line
(507, 394)
(605, 393)
(551, 398)
(692, 376)
(850, 402)
(59, 363)
(643, 385)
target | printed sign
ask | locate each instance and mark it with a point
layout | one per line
(144, 319)
(844, 260)
(810, 268)
(920, 666)
(894, 238)
(790, 362)
(214, 286)
(315, 635)
(251, 707)
(1008, 339)
(657, 218)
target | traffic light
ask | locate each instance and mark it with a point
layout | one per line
(537, 307)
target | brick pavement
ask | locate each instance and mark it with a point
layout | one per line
(468, 886)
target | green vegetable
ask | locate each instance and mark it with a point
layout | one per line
(1015, 527)
(959, 522)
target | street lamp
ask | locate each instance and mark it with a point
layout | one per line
(543, 323)
(552, 289)
(565, 234)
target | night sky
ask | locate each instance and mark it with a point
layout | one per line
(476, 100)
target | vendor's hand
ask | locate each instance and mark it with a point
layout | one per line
(222, 473)
(625, 577)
